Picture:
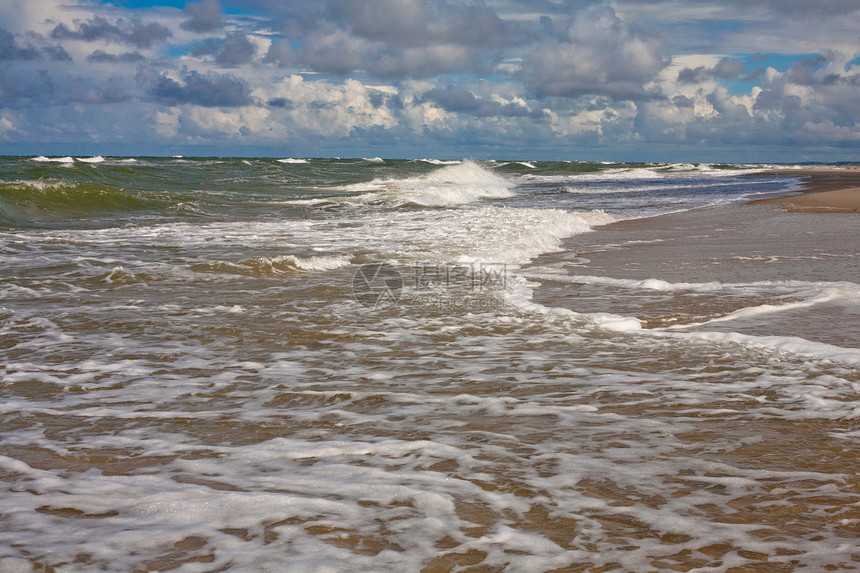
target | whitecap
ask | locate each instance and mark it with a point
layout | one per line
(42, 158)
(451, 185)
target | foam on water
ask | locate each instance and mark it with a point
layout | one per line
(44, 159)
(451, 185)
(208, 394)
(848, 290)
(441, 161)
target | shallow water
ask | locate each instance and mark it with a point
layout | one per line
(195, 377)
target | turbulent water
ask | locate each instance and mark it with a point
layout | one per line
(373, 365)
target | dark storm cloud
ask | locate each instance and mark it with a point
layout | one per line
(725, 69)
(134, 32)
(11, 50)
(234, 50)
(802, 73)
(203, 16)
(26, 87)
(111, 90)
(56, 53)
(101, 56)
(209, 90)
(693, 75)
(597, 54)
(281, 103)
(728, 69)
(282, 54)
(683, 101)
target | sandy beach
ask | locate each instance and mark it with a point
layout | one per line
(827, 190)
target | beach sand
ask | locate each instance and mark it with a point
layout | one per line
(827, 190)
(733, 244)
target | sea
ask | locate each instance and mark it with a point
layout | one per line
(362, 364)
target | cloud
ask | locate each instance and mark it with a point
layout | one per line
(10, 50)
(405, 38)
(282, 53)
(26, 87)
(728, 69)
(459, 100)
(724, 69)
(694, 75)
(134, 32)
(203, 16)
(234, 50)
(209, 90)
(801, 7)
(330, 109)
(504, 75)
(598, 53)
(100, 56)
(422, 23)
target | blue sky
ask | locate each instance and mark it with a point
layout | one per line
(673, 80)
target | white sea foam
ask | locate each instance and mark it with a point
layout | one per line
(44, 159)
(818, 297)
(374, 159)
(40, 184)
(292, 160)
(844, 289)
(94, 159)
(777, 344)
(441, 161)
(317, 263)
(520, 293)
(452, 185)
(669, 172)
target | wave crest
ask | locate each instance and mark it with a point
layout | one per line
(451, 185)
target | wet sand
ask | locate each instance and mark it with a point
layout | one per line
(827, 190)
(731, 244)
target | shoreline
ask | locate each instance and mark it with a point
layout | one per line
(825, 191)
(707, 266)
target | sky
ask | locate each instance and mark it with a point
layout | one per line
(629, 80)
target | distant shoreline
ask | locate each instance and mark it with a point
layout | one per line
(826, 190)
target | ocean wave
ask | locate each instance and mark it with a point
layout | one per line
(669, 172)
(441, 161)
(261, 267)
(848, 289)
(794, 345)
(448, 186)
(27, 199)
(43, 159)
